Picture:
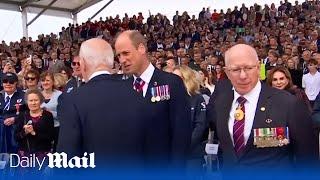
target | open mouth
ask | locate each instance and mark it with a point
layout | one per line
(126, 66)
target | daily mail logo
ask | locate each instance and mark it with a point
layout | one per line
(55, 160)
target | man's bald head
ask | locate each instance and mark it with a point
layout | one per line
(242, 67)
(238, 50)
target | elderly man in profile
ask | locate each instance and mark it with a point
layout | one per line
(103, 116)
(258, 127)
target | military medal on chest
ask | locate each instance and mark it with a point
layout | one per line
(153, 94)
(239, 114)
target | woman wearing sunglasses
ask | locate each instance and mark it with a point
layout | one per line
(11, 105)
(31, 79)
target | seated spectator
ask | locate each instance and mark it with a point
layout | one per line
(11, 104)
(51, 95)
(295, 73)
(210, 81)
(202, 78)
(60, 81)
(280, 78)
(34, 128)
(220, 72)
(31, 79)
(311, 81)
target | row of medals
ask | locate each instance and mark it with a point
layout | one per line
(270, 141)
(160, 98)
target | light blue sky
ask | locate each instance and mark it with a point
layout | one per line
(11, 28)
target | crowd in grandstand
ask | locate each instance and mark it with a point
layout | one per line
(286, 39)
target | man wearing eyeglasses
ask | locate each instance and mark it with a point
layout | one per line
(76, 80)
(73, 83)
(11, 104)
(257, 126)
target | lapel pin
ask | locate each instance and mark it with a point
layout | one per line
(262, 109)
(268, 121)
(155, 83)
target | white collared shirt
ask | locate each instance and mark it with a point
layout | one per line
(6, 95)
(98, 73)
(146, 77)
(311, 85)
(250, 110)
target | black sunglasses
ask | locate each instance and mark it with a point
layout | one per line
(75, 63)
(8, 81)
(30, 78)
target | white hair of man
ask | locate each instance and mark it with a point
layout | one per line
(97, 52)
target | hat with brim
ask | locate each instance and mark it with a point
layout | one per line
(10, 77)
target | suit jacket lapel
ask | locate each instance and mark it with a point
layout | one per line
(153, 83)
(227, 98)
(225, 109)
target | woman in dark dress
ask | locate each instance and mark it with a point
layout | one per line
(34, 128)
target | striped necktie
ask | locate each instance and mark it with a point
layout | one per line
(138, 85)
(238, 128)
(7, 103)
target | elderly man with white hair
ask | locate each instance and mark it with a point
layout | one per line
(258, 127)
(102, 116)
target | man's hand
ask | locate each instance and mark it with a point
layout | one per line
(8, 121)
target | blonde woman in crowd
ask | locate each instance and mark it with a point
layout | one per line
(51, 95)
(198, 117)
(60, 81)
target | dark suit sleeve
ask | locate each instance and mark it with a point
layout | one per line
(180, 118)
(316, 112)
(60, 105)
(302, 139)
(199, 121)
(70, 128)
(211, 118)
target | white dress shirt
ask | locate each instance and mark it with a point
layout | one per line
(250, 110)
(311, 85)
(146, 77)
(6, 94)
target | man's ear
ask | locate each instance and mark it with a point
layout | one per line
(82, 65)
(142, 49)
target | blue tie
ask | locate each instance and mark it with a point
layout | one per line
(7, 104)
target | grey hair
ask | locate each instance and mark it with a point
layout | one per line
(95, 57)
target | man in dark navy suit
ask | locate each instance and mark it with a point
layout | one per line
(168, 133)
(11, 104)
(103, 116)
(258, 127)
(76, 80)
(73, 84)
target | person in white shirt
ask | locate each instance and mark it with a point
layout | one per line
(311, 81)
